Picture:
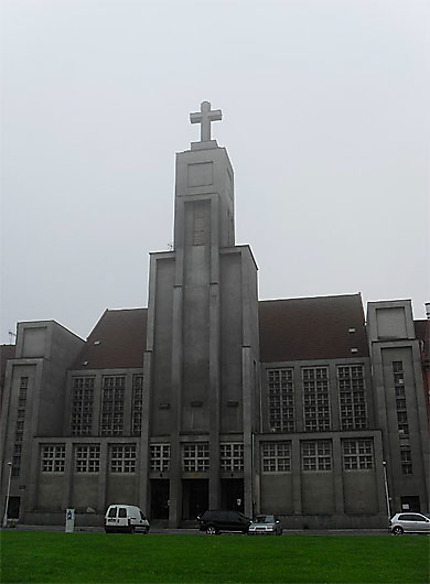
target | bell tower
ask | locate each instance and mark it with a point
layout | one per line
(202, 345)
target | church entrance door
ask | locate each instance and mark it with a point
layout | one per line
(232, 494)
(195, 497)
(160, 492)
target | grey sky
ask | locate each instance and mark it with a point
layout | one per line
(326, 121)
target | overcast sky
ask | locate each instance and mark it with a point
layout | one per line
(326, 121)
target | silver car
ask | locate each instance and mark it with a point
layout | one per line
(409, 522)
(265, 525)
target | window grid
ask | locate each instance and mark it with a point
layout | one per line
(137, 405)
(87, 458)
(276, 457)
(281, 400)
(316, 455)
(19, 427)
(406, 460)
(357, 454)
(231, 456)
(402, 417)
(160, 457)
(352, 397)
(316, 399)
(112, 414)
(122, 458)
(53, 457)
(195, 457)
(82, 406)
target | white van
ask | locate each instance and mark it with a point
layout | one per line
(125, 518)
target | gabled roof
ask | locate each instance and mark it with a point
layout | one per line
(117, 341)
(312, 328)
(290, 330)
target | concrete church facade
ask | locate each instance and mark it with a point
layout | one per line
(210, 398)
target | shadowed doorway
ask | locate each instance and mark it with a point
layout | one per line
(195, 497)
(160, 493)
(232, 494)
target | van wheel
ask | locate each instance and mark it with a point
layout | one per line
(398, 530)
(211, 530)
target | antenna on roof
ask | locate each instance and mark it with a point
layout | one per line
(11, 337)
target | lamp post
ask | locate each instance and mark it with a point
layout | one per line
(9, 464)
(387, 497)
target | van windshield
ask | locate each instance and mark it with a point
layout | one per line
(112, 512)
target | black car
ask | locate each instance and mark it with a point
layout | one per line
(215, 521)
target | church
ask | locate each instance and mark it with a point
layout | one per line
(314, 409)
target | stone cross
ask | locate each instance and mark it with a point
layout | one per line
(205, 117)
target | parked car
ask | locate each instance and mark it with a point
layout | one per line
(265, 525)
(126, 518)
(409, 523)
(213, 522)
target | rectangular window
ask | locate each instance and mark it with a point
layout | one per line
(137, 405)
(357, 454)
(19, 427)
(406, 460)
(82, 405)
(160, 457)
(316, 399)
(275, 457)
(53, 457)
(231, 456)
(316, 455)
(195, 457)
(400, 392)
(87, 458)
(352, 397)
(122, 458)
(112, 410)
(281, 400)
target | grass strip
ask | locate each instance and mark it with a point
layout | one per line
(43, 557)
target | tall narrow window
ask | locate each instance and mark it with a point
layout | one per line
(19, 426)
(112, 414)
(281, 400)
(402, 417)
(316, 399)
(137, 405)
(352, 397)
(82, 405)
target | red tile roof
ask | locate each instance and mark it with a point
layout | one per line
(117, 341)
(312, 328)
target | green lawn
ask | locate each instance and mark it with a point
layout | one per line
(84, 557)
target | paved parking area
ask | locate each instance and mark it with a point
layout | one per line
(162, 531)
